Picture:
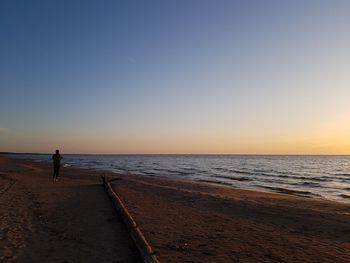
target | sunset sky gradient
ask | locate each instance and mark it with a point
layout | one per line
(250, 77)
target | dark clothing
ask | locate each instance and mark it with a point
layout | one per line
(56, 170)
(56, 165)
(56, 159)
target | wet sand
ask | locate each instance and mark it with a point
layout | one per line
(198, 222)
(69, 221)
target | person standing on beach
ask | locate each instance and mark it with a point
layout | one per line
(56, 165)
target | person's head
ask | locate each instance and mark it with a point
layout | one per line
(57, 151)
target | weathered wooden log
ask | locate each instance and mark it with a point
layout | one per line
(146, 251)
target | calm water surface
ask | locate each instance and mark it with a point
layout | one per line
(314, 176)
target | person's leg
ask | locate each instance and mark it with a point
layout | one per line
(57, 171)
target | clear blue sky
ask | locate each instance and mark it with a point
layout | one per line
(175, 76)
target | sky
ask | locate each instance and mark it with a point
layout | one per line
(185, 76)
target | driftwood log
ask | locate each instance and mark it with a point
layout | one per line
(145, 250)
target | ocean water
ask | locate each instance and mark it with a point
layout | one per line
(326, 177)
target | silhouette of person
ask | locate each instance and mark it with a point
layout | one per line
(56, 165)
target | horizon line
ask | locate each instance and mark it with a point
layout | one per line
(237, 154)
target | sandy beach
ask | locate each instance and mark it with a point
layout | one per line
(69, 221)
(192, 222)
(74, 221)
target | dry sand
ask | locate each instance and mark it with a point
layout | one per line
(197, 222)
(69, 221)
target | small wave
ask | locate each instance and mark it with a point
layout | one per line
(272, 180)
(319, 179)
(289, 191)
(241, 172)
(233, 178)
(172, 171)
(220, 168)
(226, 170)
(177, 172)
(259, 173)
(93, 163)
(256, 172)
(310, 184)
(342, 180)
(167, 171)
(343, 174)
(159, 169)
(149, 173)
(213, 182)
(285, 176)
(184, 173)
(189, 169)
(345, 196)
(262, 171)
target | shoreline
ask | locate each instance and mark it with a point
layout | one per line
(270, 177)
(204, 182)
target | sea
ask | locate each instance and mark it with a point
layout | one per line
(322, 176)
